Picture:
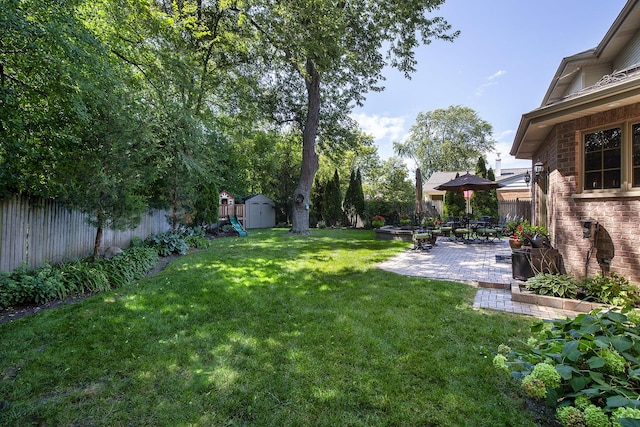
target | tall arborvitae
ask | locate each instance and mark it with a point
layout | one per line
(484, 202)
(351, 199)
(359, 195)
(317, 197)
(454, 203)
(332, 201)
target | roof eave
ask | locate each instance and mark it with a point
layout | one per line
(535, 126)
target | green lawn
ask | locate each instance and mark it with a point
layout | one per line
(267, 330)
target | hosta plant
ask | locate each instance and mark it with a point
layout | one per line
(556, 285)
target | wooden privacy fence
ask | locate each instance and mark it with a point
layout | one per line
(38, 230)
(506, 208)
(515, 209)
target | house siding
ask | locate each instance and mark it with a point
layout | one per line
(630, 55)
(616, 247)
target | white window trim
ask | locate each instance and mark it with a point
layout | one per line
(626, 167)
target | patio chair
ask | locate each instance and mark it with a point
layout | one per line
(462, 233)
(423, 240)
(445, 231)
(488, 234)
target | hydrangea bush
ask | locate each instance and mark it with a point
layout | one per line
(587, 367)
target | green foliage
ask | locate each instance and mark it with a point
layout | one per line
(448, 139)
(556, 285)
(389, 190)
(332, 201)
(195, 237)
(46, 283)
(612, 289)
(543, 377)
(128, 266)
(485, 202)
(83, 276)
(26, 286)
(168, 243)
(454, 203)
(205, 205)
(570, 416)
(511, 227)
(177, 242)
(238, 333)
(631, 417)
(595, 417)
(597, 356)
(354, 198)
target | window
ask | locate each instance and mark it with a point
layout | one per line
(636, 155)
(603, 159)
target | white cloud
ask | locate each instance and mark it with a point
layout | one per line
(491, 81)
(381, 127)
(385, 130)
(498, 74)
(506, 136)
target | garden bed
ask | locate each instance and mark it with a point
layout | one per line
(394, 233)
(519, 293)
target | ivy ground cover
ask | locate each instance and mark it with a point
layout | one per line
(263, 331)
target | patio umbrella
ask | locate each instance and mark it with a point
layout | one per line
(419, 205)
(468, 182)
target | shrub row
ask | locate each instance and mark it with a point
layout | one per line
(47, 282)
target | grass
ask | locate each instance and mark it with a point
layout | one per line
(268, 330)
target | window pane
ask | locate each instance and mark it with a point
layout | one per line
(592, 142)
(635, 130)
(636, 177)
(611, 159)
(593, 181)
(603, 158)
(612, 138)
(612, 179)
(593, 161)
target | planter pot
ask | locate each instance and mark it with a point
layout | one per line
(515, 244)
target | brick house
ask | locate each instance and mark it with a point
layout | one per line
(584, 146)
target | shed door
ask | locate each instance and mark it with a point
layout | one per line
(254, 215)
(266, 216)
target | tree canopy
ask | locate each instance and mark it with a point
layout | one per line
(448, 139)
(324, 56)
(117, 106)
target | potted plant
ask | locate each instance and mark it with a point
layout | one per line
(377, 221)
(431, 223)
(404, 220)
(516, 231)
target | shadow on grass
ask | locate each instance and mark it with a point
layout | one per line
(268, 330)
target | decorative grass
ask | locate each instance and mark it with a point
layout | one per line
(268, 330)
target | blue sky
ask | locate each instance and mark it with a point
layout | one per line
(501, 66)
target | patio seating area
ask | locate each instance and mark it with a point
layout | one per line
(485, 266)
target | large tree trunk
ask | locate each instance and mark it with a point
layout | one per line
(302, 194)
(97, 243)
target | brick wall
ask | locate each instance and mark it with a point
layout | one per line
(616, 247)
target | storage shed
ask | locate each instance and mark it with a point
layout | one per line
(260, 212)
